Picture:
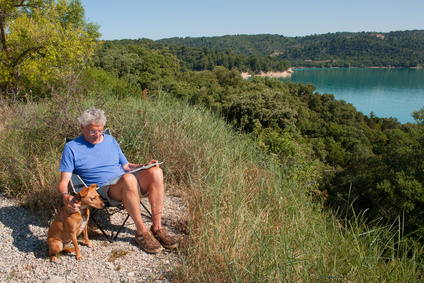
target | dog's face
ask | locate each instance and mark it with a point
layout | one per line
(90, 197)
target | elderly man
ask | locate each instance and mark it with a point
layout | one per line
(98, 159)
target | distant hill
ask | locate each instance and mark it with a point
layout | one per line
(342, 49)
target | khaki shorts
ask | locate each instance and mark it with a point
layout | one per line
(103, 190)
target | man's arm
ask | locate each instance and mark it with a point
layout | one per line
(64, 181)
(67, 199)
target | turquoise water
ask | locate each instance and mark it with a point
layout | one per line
(385, 92)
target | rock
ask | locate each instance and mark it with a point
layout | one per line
(55, 279)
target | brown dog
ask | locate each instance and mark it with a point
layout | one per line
(67, 226)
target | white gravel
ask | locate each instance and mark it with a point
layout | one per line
(24, 251)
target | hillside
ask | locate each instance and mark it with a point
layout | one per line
(249, 218)
(361, 49)
(348, 145)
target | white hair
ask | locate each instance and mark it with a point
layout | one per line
(92, 116)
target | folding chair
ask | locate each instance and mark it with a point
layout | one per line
(76, 184)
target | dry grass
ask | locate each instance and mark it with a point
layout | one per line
(116, 254)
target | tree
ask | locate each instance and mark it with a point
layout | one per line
(42, 40)
(418, 116)
(255, 64)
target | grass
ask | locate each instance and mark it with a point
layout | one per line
(116, 254)
(248, 219)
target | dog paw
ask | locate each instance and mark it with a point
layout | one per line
(80, 258)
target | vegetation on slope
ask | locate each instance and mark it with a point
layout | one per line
(342, 49)
(349, 145)
(200, 59)
(249, 216)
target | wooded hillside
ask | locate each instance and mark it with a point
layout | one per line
(343, 49)
(370, 164)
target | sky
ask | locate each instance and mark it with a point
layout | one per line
(158, 19)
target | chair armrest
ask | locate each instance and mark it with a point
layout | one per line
(76, 184)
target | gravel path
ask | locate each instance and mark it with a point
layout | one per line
(24, 251)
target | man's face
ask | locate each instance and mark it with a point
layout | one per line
(93, 133)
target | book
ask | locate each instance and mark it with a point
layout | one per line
(145, 167)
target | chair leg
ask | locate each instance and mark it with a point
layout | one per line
(113, 237)
(147, 210)
(93, 213)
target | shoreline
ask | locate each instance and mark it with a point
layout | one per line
(289, 72)
(271, 74)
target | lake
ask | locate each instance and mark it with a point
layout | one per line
(383, 91)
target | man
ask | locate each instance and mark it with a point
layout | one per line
(98, 159)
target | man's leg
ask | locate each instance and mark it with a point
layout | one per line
(151, 183)
(126, 191)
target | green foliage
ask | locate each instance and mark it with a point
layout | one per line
(42, 42)
(298, 162)
(201, 59)
(268, 109)
(138, 65)
(418, 116)
(102, 83)
(342, 49)
(259, 45)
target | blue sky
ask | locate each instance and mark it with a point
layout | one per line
(157, 19)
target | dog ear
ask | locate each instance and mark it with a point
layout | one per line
(93, 187)
(84, 192)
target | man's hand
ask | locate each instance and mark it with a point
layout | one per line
(70, 203)
(153, 161)
(67, 199)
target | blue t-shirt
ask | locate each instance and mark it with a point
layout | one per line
(95, 163)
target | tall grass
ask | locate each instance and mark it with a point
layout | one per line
(247, 220)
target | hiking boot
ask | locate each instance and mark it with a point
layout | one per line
(164, 239)
(148, 243)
